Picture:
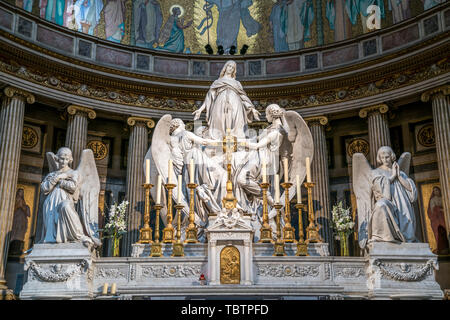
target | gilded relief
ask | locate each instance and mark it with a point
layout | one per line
(230, 266)
(99, 149)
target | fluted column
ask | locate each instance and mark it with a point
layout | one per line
(137, 148)
(77, 127)
(320, 176)
(11, 127)
(440, 101)
(378, 129)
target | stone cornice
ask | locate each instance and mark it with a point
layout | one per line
(381, 108)
(73, 109)
(319, 120)
(147, 121)
(445, 90)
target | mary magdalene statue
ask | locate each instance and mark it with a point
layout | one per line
(227, 105)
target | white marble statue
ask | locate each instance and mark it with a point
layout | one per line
(227, 105)
(228, 111)
(384, 198)
(287, 136)
(70, 209)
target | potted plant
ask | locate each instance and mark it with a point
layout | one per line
(116, 226)
(342, 225)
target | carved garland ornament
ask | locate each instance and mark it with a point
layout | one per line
(171, 271)
(405, 273)
(57, 272)
(287, 270)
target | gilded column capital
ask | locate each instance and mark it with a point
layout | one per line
(317, 120)
(445, 90)
(149, 122)
(382, 108)
(73, 109)
(16, 92)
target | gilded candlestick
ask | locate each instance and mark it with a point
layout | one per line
(145, 233)
(156, 249)
(191, 231)
(302, 247)
(288, 230)
(312, 231)
(168, 236)
(178, 247)
(279, 243)
(266, 229)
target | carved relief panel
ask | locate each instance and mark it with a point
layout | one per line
(230, 265)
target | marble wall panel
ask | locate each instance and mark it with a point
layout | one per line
(339, 56)
(311, 61)
(216, 67)
(167, 66)
(401, 37)
(199, 68)
(254, 68)
(370, 47)
(283, 65)
(447, 18)
(115, 57)
(24, 27)
(84, 48)
(142, 62)
(431, 25)
(54, 39)
(6, 19)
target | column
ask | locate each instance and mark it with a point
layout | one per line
(378, 129)
(440, 101)
(319, 172)
(137, 148)
(77, 126)
(11, 127)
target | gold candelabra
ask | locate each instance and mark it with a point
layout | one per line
(178, 247)
(156, 249)
(279, 243)
(266, 229)
(288, 230)
(302, 247)
(168, 230)
(312, 231)
(191, 231)
(145, 233)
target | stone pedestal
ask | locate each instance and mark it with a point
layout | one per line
(235, 232)
(59, 271)
(401, 271)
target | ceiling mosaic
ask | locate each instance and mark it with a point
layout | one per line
(259, 26)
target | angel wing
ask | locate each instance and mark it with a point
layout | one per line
(362, 187)
(159, 154)
(297, 145)
(404, 162)
(52, 163)
(89, 189)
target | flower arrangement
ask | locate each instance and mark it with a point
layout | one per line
(116, 226)
(343, 225)
(202, 279)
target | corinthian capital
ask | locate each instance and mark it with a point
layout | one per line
(445, 90)
(322, 120)
(73, 109)
(19, 93)
(381, 108)
(149, 122)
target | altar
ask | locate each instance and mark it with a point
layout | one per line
(223, 196)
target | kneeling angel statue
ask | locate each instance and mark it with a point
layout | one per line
(70, 209)
(384, 198)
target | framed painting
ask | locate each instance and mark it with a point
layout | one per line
(433, 217)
